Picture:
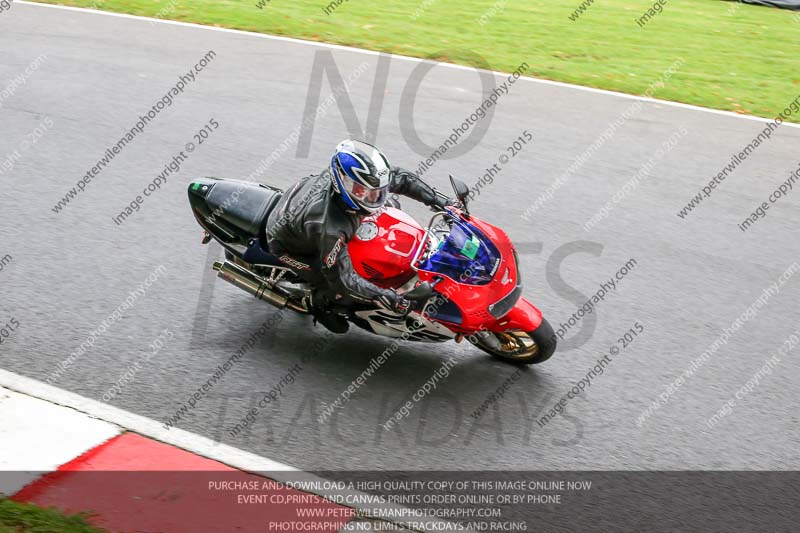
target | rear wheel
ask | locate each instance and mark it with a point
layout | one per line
(517, 346)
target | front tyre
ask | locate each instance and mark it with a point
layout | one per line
(520, 347)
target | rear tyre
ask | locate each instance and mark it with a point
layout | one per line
(520, 347)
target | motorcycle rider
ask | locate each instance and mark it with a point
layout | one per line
(310, 227)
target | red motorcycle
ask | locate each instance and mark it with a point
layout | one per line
(461, 273)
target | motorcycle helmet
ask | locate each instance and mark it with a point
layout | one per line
(360, 175)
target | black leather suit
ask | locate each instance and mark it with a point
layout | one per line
(311, 225)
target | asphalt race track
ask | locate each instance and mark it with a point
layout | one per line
(692, 276)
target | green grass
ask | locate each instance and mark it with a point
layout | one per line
(22, 517)
(736, 57)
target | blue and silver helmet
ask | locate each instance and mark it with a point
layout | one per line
(360, 174)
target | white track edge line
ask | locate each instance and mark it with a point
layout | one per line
(203, 446)
(414, 59)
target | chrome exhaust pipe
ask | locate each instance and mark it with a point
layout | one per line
(249, 282)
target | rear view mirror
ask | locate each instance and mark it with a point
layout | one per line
(461, 190)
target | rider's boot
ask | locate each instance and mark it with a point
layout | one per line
(335, 322)
(321, 303)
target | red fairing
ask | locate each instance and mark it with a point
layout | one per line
(474, 300)
(383, 247)
(524, 316)
(382, 250)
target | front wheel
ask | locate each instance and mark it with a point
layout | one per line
(517, 346)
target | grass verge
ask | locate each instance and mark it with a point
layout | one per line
(17, 517)
(737, 57)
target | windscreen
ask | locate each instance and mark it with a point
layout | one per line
(465, 255)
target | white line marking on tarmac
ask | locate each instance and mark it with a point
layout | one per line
(415, 59)
(140, 424)
(203, 446)
(37, 436)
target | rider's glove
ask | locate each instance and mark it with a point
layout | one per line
(394, 302)
(443, 201)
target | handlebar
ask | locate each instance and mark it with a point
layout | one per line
(443, 213)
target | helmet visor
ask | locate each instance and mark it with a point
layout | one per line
(367, 197)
